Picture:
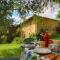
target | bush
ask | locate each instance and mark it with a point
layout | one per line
(4, 38)
(18, 40)
(56, 37)
(33, 36)
(34, 58)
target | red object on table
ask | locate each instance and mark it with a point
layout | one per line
(58, 58)
(53, 56)
(50, 56)
(46, 38)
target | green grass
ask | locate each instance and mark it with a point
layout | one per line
(10, 50)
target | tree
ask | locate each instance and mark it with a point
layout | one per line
(35, 6)
(58, 1)
(58, 15)
(5, 13)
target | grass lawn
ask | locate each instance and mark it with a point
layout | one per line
(10, 50)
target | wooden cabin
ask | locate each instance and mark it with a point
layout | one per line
(35, 24)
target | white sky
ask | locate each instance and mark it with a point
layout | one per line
(51, 13)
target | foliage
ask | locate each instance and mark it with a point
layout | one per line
(56, 37)
(34, 58)
(4, 38)
(35, 6)
(58, 1)
(5, 12)
(13, 33)
(58, 15)
(33, 36)
(18, 40)
(10, 50)
(18, 31)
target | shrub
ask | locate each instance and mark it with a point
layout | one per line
(4, 38)
(33, 36)
(18, 40)
(34, 58)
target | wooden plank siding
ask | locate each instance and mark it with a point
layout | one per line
(47, 24)
(34, 25)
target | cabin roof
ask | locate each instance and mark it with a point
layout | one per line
(41, 17)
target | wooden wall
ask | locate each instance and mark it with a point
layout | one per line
(28, 28)
(47, 25)
(34, 26)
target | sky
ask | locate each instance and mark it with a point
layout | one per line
(49, 13)
(17, 19)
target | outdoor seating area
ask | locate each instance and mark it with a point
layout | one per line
(29, 29)
(40, 51)
(52, 52)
